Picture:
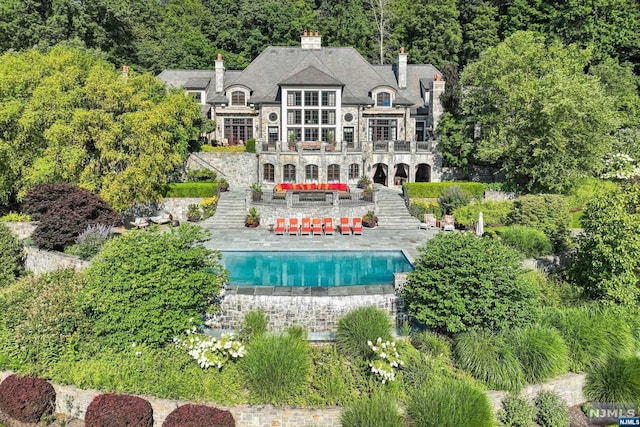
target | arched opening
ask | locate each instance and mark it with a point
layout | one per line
(380, 175)
(269, 173)
(311, 173)
(423, 173)
(289, 173)
(402, 174)
(333, 173)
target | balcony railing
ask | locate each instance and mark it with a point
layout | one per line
(403, 146)
(380, 146)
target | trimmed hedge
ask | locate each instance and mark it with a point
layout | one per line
(548, 213)
(192, 189)
(433, 190)
(116, 410)
(494, 213)
(27, 399)
(199, 416)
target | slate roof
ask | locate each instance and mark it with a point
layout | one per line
(197, 83)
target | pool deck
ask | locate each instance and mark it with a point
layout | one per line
(372, 239)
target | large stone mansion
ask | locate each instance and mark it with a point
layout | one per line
(324, 114)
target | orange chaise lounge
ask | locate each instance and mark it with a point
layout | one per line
(280, 226)
(328, 226)
(357, 226)
(316, 227)
(293, 226)
(344, 226)
(305, 228)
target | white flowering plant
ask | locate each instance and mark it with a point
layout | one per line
(387, 360)
(211, 351)
(620, 166)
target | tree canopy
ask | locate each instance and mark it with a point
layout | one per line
(542, 119)
(67, 116)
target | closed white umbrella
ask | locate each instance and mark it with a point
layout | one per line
(480, 226)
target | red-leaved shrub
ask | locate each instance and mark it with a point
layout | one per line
(27, 399)
(118, 410)
(199, 416)
(65, 211)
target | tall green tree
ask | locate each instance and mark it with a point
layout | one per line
(345, 23)
(480, 33)
(542, 119)
(69, 117)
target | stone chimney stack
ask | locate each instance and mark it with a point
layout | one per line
(437, 89)
(402, 69)
(311, 40)
(219, 67)
(125, 71)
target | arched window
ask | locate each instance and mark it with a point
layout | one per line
(238, 98)
(383, 99)
(354, 171)
(311, 173)
(268, 173)
(289, 173)
(333, 173)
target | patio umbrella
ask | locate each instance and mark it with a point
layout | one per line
(480, 226)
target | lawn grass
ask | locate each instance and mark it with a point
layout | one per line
(575, 219)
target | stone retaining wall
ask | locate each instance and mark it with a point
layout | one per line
(240, 169)
(40, 261)
(178, 206)
(567, 386)
(23, 230)
(316, 313)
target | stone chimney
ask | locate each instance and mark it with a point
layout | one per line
(311, 40)
(402, 69)
(437, 89)
(125, 71)
(219, 74)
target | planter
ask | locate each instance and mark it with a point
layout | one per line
(223, 189)
(252, 225)
(256, 197)
(369, 224)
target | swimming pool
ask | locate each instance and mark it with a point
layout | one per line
(314, 268)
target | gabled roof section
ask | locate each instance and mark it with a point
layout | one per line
(310, 76)
(197, 83)
(179, 78)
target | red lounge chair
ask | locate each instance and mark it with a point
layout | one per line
(280, 226)
(344, 226)
(293, 227)
(357, 226)
(328, 226)
(305, 228)
(316, 227)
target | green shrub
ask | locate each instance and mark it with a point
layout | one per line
(528, 241)
(277, 369)
(192, 189)
(548, 213)
(592, 335)
(253, 325)
(452, 198)
(432, 190)
(493, 213)
(167, 277)
(223, 149)
(489, 359)
(418, 208)
(251, 145)
(40, 317)
(334, 380)
(541, 351)
(462, 281)
(359, 326)
(432, 344)
(617, 380)
(586, 189)
(12, 257)
(450, 402)
(375, 411)
(90, 241)
(551, 410)
(201, 175)
(16, 217)
(517, 412)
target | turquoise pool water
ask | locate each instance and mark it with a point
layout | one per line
(314, 268)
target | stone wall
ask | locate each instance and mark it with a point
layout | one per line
(567, 386)
(23, 230)
(178, 206)
(40, 261)
(240, 169)
(316, 313)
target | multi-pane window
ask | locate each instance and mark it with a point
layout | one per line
(311, 98)
(328, 98)
(273, 133)
(238, 98)
(294, 117)
(310, 134)
(311, 173)
(333, 173)
(420, 131)
(328, 135)
(383, 99)
(289, 173)
(238, 130)
(328, 117)
(347, 135)
(311, 117)
(382, 129)
(354, 171)
(269, 173)
(294, 98)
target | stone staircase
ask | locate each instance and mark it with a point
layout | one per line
(230, 213)
(392, 212)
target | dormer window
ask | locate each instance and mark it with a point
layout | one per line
(383, 99)
(238, 99)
